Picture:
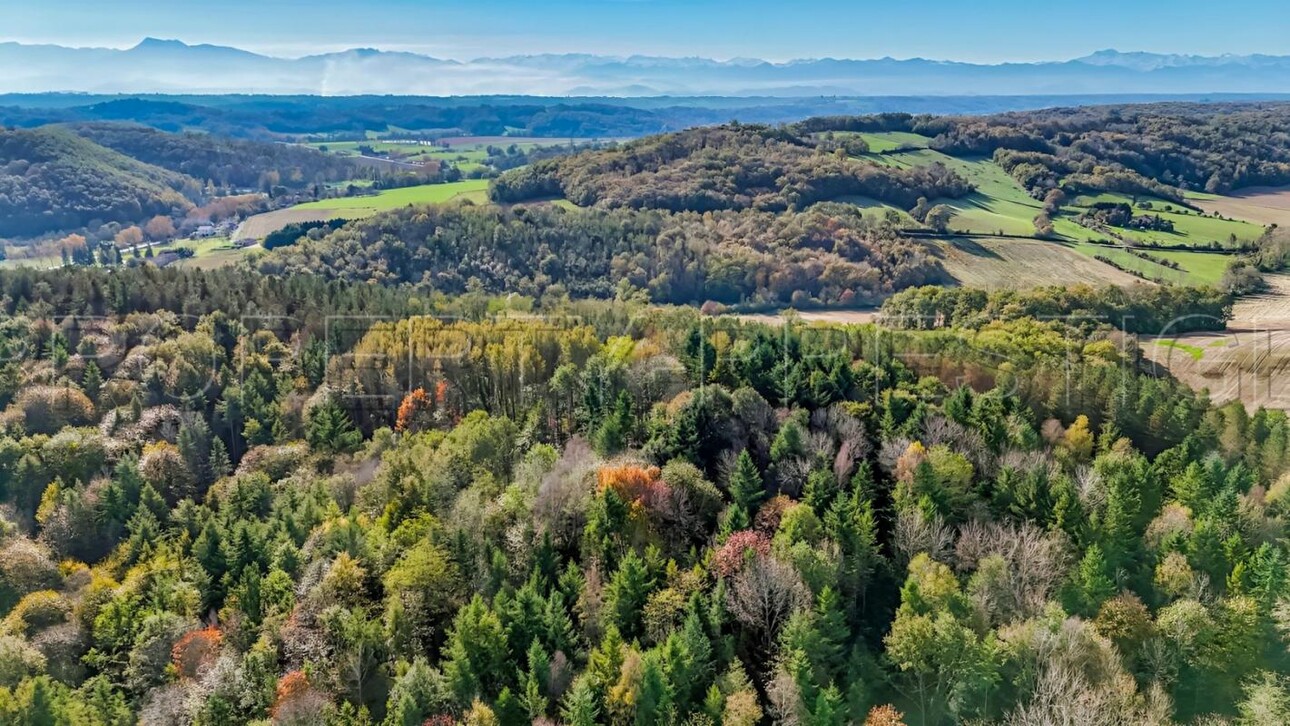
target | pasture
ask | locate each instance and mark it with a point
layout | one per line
(260, 225)
(884, 141)
(1194, 268)
(475, 190)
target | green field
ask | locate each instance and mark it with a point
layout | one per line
(890, 140)
(1190, 227)
(475, 190)
(209, 254)
(869, 204)
(1197, 268)
(1001, 205)
(464, 158)
(467, 156)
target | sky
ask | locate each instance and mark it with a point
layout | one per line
(981, 31)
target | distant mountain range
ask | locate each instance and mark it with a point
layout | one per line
(171, 66)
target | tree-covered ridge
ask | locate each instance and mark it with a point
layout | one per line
(1210, 147)
(52, 179)
(726, 167)
(1149, 149)
(614, 514)
(103, 176)
(224, 162)
(829, 254)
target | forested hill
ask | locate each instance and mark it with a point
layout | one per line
(1155, 150)
(830, 254)
(225, 162)
(52, 179)
(727, 167)
(1212, 147)
(57, 178)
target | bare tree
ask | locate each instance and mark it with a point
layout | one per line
(1035, 563)
(764, 595)
(917, 533)
(562, 497)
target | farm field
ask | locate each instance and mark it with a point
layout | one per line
(834, 317)
(1270, 309)
(1262, 205)
(472, 189)
(1249, 362)
(1190, 227)
(999, 206)
(209, 254)
(1252, 367)
(257, 227)
(1013, 263)
(1195, 268)
(870, 204)
(467, 153)
(1002, 206)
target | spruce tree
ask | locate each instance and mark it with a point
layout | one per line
(1093, 583)
(580, 707)
(92, 381)
(331, 431)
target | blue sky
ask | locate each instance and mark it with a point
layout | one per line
(969, 30)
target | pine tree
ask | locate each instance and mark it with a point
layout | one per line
(1093, 583)
(330, 430)
(194, 442)
(219, 464)
(627, 593)
(92, 381)
(511, 711)
(654, 704)
(616, 431)
(829, 709)
(208, 550)
(834, 635)
(476, 652)
(535, 682)
(746, 490)
(580, 707)
(561, 634)
(152, 501)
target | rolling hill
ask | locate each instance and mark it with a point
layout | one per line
(58, 178)
(52, 179)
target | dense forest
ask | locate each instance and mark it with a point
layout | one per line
(297, 501)
(1210, 147)
(52, 179)
(828, 255)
